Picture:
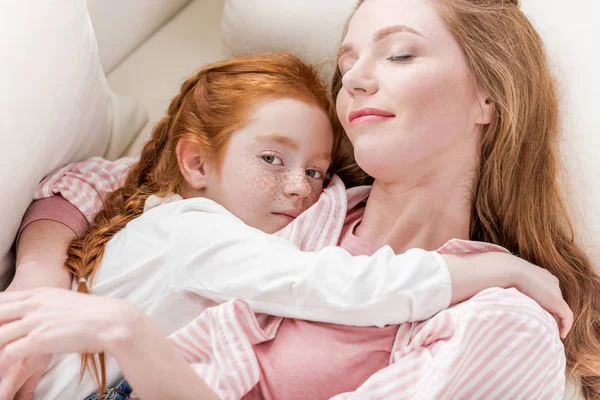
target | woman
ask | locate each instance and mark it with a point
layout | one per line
(491, 175)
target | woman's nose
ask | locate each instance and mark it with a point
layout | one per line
(360, 80)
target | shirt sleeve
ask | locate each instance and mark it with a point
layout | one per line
(221, 258)
(499, 344)
(85, 184)
(57, 209)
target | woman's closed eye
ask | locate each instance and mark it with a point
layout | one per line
(401, 58)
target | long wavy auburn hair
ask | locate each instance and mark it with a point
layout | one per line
(517, 202)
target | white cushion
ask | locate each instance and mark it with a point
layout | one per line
(121, 26)
(310, 29)
(155, 70)
(55, 102)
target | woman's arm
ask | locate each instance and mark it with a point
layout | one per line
(54, 321)
(161, 373)
(47, 229)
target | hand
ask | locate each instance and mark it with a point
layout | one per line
(21, 379)
(472, 273)
(543, 287)
(55, 321)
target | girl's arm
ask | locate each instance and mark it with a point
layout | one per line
(414, 286)
(56, 321)
(232, 260)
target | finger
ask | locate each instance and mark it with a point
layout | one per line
(9, 297)
(14, 330)
(33, 344)
(28, 389)
(11, 355)
(11, 382)
(12, 311)
(566, 321)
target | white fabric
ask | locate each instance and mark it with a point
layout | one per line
(311, 29)
(121, 26)
(55, 102)
(178, 255)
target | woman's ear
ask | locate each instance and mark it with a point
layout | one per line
(192, 163)
(486, 108)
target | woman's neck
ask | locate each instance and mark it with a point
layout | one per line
(423, 213)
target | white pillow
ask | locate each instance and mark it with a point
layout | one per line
(309, 29)
(55, 104)
(121, 26)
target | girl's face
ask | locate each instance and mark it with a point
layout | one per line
(408, 97)
(274, 167)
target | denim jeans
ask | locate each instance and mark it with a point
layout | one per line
(121, 391)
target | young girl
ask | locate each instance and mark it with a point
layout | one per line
(248, 143)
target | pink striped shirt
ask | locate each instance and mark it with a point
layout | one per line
(498, 345)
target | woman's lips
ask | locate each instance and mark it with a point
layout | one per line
(365, 115)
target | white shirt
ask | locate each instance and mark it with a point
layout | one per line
(180, 258)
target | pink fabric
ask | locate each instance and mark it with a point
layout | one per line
(85, 184)
(57, 209)
(319, 351)
(499, 344)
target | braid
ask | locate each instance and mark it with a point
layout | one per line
(84, 255)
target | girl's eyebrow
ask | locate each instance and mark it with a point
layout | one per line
(279, 138)
(381, 34)
(291, 143)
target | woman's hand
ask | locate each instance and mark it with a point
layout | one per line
(475, 272)
(56, 321)
(21, 379)
(53, 321)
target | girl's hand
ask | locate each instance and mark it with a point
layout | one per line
(56, 321)
(475, 272)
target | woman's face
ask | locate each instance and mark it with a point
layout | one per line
(409, 103)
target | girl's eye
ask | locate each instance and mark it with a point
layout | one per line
(313, 173)
(273, 160)
(406, 57)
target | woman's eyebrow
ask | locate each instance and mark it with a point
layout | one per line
(382, 33)
(379, 35)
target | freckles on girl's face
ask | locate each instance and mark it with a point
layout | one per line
(274, 167)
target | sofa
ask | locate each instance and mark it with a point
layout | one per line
(91, 79)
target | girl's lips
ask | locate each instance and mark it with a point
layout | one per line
(292, 215)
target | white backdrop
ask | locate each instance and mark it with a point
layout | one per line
(572, 34)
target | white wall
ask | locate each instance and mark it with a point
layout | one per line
(571, 31)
